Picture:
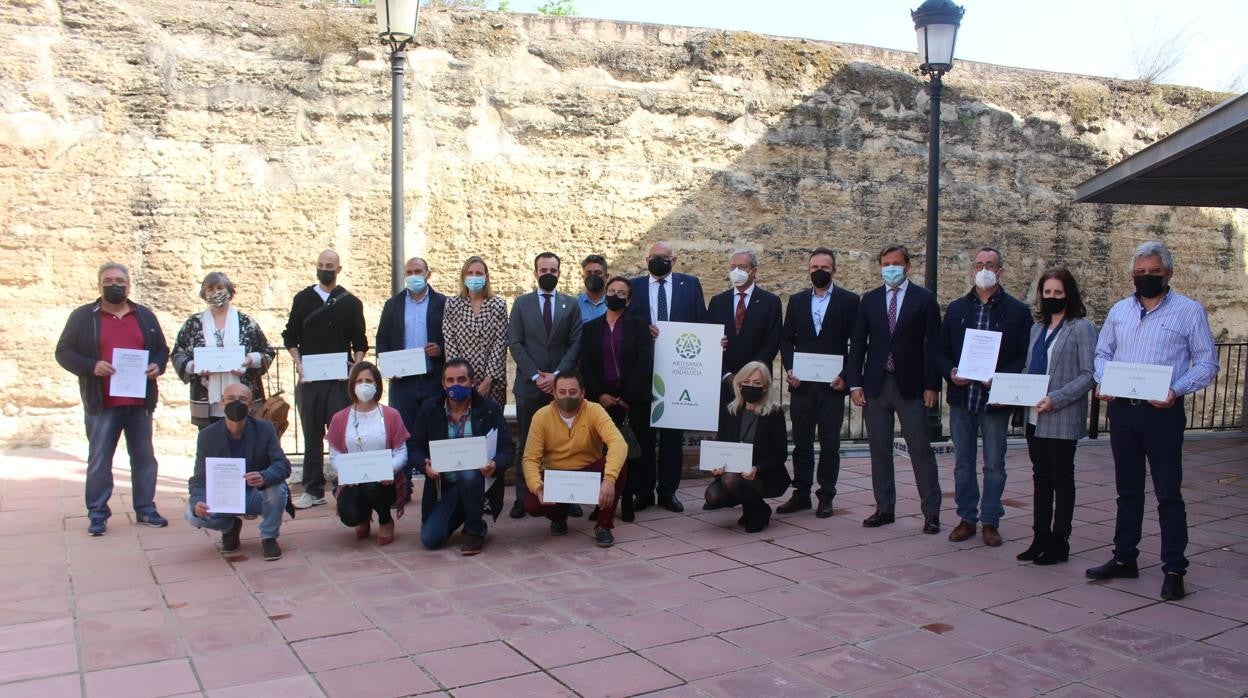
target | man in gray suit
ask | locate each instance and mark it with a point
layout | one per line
(544, 333)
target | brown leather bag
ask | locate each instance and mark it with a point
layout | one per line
(275, 409)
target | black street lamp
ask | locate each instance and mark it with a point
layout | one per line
(397, 20)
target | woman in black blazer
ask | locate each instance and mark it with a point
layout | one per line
(617, 360)
(754, 416)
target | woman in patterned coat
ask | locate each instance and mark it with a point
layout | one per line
(474, 326)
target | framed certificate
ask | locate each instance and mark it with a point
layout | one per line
(817, 368)
(324, 367)
(218, 359)
(363, 466)
(978, 361)
(451, 455)
(1137, 381)
(404, 362)
(1018, 389)
(570, 486)
(733, 457)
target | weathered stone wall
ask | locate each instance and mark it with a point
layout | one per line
(185, 136)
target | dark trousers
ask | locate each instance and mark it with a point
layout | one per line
(664, 473)
(1053, 483)
(406, 394)
(318, 402)
(816, 407)
(730, 489)
(356, 503)
(880, 413)
(525, 409)
(1140, 433)
(559, 512)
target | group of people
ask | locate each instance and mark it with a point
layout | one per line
(582, 396)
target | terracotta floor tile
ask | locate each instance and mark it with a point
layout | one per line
(294, 687)
(391, 678)
(142, 681)
(238, 667)
(1045, 613)
(742, 580)
(998, 677)
(725, 614)
(1126, 638)
(28, 635)
(65, 686)
(914, 685)
(535, 684)
(307, 622)
(649, 629)
(521, 619)
(921, 649)
(621, 675)
(1217, 666)
(985, 631)
(675, 593)
(1144, 680)
(567, 646)
(779, 640)
(476, 664)
(843, 669)
(345, 650)
(38, 661)
(701, 657)
(1179, 620)
(755, 682)
(700, 562)
(853, 623)
(1065, 657)
(441, 633)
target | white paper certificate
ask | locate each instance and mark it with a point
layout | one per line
(324, 367)
(979, 355)
(817, 368)
(364, 466)
(227, 485)
(218, 359)
(1018, 389)
(405, 362)
(1137, 381)
(129, 380)
(451, 455)
(731, 456)
(570, 487)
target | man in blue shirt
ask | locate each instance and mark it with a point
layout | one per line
(412, 319)
(592, 301)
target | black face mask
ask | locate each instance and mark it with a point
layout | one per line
(616, 303)
(659, 267)
(114, 293)
(236, 411)
(547, 282)
(1150, 286)
(327, 277)
(595, 284)
(820, 278)
(752, 393)
(569, 405)
(1052, 306)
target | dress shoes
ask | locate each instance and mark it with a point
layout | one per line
(642, 501)
(1172, 588)
(1039, 542)
(1058, 550)
(517, 510)
(992, 537)
(1114, 569)
(825, 508)
(798, 502)
(931, 524)
(963, 531)
(671, 504)
(878, 519)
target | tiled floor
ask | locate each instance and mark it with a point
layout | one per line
(684, 605)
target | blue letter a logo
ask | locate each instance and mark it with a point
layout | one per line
(684, 396)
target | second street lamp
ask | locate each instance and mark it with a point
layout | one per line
(397, 22)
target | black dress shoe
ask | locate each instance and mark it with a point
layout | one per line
(671, 504)
(878, 519)
(517, 510)
(642, 501)
(825, 508)
(1172, 587)
(575, 511)
(931, 524)
(1058, 550)
(798, 502)
(1039, 541)
(1114, 569)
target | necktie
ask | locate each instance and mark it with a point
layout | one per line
(547, 316)
(739, 318)
(662, 311)
(892, 323)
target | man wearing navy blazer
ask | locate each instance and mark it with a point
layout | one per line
(663, 295)
(751, 319)
(412, 319)
(818, 320)
(986, 307)
(544, 334)
(892, 373)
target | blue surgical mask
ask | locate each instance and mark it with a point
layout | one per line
(474, 283)
(458, 393)
(415, 284)
(893, 275)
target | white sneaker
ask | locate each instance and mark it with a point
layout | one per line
(307, 501)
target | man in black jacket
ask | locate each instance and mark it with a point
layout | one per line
(412, 319)
(751, 320)
(817, 321)
(240, 435)
(324, 319)
(92, 335)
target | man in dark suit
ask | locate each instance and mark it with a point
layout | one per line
(412, 319)
(662, 296)
(240, 435)
(892, 373)
(751, 320)
(544, 333)
(818, 321)
(986, 307)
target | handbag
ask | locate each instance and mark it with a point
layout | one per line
(634, 446)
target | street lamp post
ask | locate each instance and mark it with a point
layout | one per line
(397, 21)
(936, 28)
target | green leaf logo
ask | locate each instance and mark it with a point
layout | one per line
(657, 414)
(659, 388)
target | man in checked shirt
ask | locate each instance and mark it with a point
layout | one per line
(1155, 325)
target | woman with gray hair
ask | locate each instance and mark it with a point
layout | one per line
(220, 326)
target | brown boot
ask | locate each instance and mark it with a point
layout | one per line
(992, 538)
(964, 530)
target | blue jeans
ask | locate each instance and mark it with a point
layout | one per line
(462, 504)
(965, 426)
(269, 503)
(103, 431)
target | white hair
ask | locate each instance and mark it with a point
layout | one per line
(748, 253)
(1154, 248)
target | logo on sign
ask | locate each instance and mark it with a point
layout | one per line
(688, 346)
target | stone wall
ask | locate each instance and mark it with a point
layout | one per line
(187, 136)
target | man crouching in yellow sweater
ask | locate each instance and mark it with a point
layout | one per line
(570, 434)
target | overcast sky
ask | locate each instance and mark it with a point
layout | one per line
(1091, 37)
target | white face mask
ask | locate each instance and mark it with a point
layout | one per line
(985, 279)
(365, 391)
(738, 277)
